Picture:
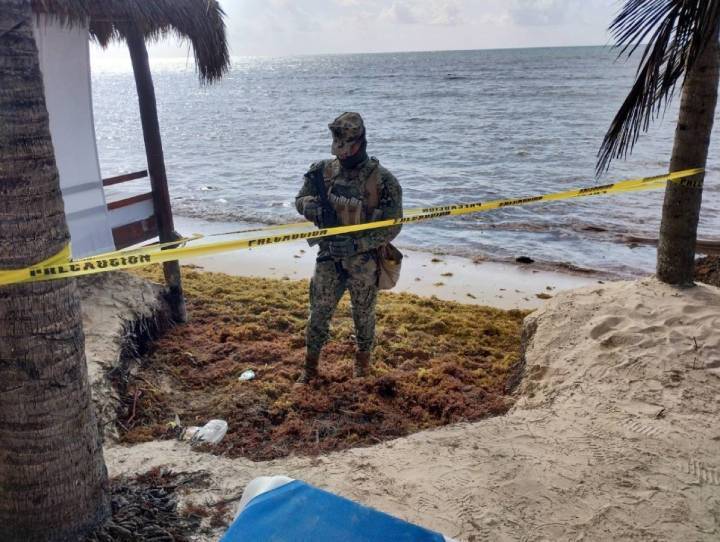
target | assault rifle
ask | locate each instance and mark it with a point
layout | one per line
(328, 218)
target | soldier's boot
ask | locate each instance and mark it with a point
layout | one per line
(362, 364)
(310, 369)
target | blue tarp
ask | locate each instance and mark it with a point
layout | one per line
(298, 512)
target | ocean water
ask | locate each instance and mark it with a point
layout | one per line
(453, 127)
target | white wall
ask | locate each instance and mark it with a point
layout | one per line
(65, 65)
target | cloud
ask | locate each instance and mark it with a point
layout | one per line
(542, 12)
(399, 13)
(289, 27)
(431, 13)
(446, 13)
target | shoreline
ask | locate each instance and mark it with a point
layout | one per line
(540, 261)
(447, 277)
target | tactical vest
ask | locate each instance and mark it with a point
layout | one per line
(356, 199)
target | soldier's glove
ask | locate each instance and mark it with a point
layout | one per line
(342, 246)
(313, 211)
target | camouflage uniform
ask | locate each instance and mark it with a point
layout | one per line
(349, 191)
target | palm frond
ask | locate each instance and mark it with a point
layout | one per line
(201, 22)
(677, 31)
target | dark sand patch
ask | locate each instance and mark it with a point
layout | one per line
(707, 270)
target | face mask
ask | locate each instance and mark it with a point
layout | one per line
(356, 159)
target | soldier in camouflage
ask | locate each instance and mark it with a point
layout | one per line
(359, 190)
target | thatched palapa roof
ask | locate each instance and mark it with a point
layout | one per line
(199, 21)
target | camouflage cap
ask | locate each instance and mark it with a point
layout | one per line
(347, 128)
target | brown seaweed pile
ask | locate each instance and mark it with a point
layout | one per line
(436, 363)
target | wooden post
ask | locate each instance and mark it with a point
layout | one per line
(156, 165)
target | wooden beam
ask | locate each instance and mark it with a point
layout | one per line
(135, 232)
(125, 178)
(129, 201)
(156, 164)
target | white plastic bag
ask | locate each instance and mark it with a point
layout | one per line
(212, 432)
(247, 375)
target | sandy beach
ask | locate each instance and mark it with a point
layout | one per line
(448, 277)
(611, 436)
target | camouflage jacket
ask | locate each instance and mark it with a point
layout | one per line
(351, 184)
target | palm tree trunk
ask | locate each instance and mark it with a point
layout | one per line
(53, 480)
(681, 209)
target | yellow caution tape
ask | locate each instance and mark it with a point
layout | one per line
(14, 276)
(182, 241)
(60, 267)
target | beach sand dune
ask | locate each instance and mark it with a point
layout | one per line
(614, 434)
(116, 308)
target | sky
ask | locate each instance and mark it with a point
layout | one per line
(292, 27)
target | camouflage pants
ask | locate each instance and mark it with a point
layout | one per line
(358, 274)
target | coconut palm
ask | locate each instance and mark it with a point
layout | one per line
(682, 47)
(53, 480)
(52, 474)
